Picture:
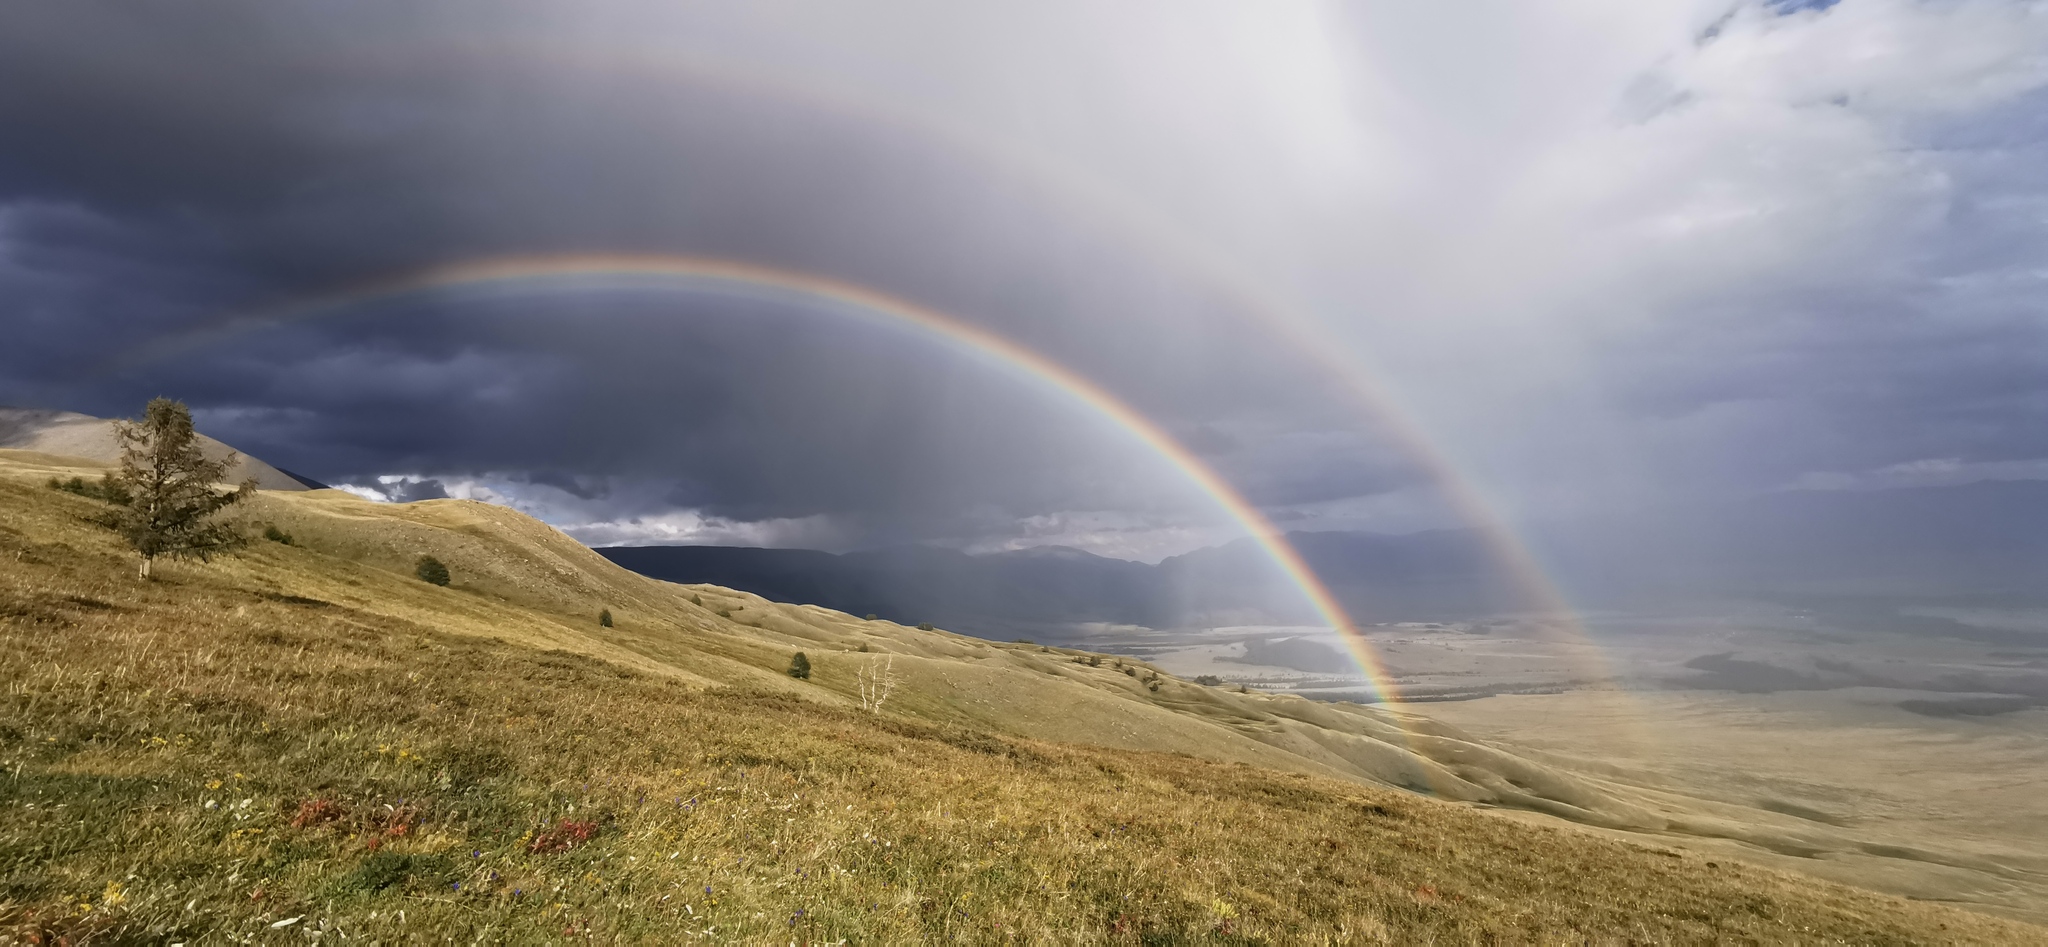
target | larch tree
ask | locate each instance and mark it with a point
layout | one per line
(173, 488)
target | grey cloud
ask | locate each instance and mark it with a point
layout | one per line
(581, 487)
(413, 490)
(1625, 265)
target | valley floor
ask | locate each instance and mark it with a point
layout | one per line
(1861, 758)
(1840, 784)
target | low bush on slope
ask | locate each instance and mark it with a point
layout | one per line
(199, 759)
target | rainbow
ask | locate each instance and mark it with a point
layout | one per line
(756, 281)
(1087, 198)
(1129, 221)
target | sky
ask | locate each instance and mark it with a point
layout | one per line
(1581, 257)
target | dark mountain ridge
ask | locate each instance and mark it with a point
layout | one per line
(1862, 555)
(1047, 589)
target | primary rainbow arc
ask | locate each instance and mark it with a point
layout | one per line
(752, 279)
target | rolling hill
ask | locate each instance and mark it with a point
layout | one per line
(70, 434)
(304, 737)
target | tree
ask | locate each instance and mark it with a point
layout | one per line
(431, 571)
(876, 681)
(800, 667)
(604, 617)
(172, 489)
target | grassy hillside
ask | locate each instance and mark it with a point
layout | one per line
(305, 738)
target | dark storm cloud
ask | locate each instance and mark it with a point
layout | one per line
(412, 490)
(581, 487)
(230, 158)
(1799, 261)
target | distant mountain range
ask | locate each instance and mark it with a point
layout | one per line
(996, 596)
(1048, 589)
(1861, 556)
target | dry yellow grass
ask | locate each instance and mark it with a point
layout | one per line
(1834, 785)
(305, 738)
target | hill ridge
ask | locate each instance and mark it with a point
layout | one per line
(70, 434)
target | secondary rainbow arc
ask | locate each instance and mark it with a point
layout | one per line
(1094, 200)
(1072, 189)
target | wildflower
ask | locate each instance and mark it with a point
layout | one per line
(564, 836)
(316, 811)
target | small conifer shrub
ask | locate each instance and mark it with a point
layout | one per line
(871, 616)
(431, 571)
(924, 626)
(604, 617)
(800, 667)
(107, 489)
(276, 535)
(696, 600)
